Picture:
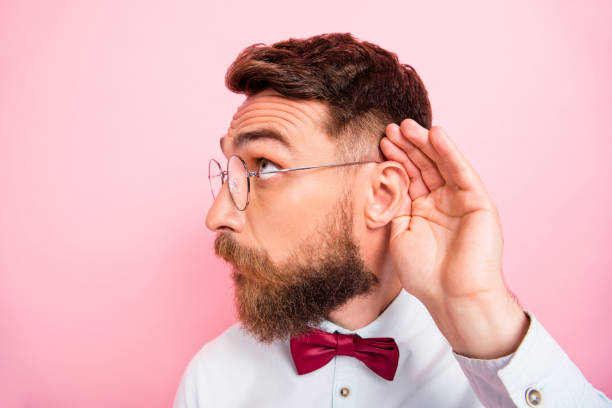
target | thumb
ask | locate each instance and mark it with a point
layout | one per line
(399, 225)
(401, 220)
(413, 231)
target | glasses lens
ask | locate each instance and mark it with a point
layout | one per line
(214, 177)
(238, 182)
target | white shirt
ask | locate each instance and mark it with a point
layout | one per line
(235, 370)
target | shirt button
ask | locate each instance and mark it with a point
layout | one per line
(533, 397)
(345, 392)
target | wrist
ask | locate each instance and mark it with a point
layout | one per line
(487, 326)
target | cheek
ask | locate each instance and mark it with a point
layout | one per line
(292, 214)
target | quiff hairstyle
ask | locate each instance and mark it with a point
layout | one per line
(363, 86)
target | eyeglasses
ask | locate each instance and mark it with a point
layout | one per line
(239, 177)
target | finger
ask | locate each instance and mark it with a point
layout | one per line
(417, 186)
(430, 173)
(421, 138)
(456, 168)
(453, 166)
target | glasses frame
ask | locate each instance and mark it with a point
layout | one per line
(225, 175)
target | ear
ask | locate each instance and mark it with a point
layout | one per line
(387, 193)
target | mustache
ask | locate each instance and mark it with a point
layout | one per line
(254, 263)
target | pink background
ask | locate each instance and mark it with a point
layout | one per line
(109, 112)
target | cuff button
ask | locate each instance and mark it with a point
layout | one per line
(533, 397)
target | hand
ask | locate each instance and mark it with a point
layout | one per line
(446, 244)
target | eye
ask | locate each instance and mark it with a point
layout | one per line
(264, 166)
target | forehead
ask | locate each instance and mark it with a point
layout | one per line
(295, 120)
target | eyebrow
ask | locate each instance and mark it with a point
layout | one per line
(260, 134)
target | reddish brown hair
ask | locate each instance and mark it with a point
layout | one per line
(364, 86)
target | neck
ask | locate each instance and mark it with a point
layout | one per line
(362, 310)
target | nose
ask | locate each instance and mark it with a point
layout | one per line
(223, 214)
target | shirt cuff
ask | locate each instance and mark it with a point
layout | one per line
(482, 375)
(537, 374)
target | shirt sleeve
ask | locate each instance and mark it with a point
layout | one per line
(537, 374)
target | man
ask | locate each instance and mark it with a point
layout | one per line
(365, 251)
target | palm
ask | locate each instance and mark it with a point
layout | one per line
(446, 242)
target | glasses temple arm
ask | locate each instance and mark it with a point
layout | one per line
(256, 173)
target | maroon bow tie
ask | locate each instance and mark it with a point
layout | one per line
(313, 350)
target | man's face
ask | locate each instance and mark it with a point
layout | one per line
(292, 250)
